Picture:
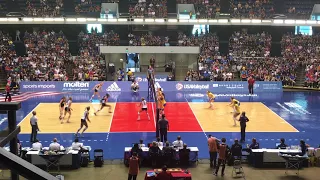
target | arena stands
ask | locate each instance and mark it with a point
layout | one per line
(89, 43)
(43, 8)
(204, 9)
(147, 40)
(212, 66)
(251, 9)
(299, 9)
(251, 45)
(149, 9)
(87, 6)
(306, 50)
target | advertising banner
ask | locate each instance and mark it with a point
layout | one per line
(124, 86)
(158, 78)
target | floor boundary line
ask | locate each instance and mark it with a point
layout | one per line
(114, 109)
(205, 134)
(280, 117)
(28, 114)
(154, 118)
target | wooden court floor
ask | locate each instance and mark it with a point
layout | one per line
(48, 119)
(262, 119)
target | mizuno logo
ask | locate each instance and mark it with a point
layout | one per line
(114, 87)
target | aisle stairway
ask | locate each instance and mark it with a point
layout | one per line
(300, 76)
(3, 79)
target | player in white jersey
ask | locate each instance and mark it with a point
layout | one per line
(104, 101)
(143, 107)
(134, 87)
(84, 120)
(68, 110)
(96, 90)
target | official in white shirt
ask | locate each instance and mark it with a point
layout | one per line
(54, 146)
(37, 145)
(141, 144)
(178, 143)
(160, 144)
(76, 145)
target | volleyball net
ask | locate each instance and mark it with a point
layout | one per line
(153, 94)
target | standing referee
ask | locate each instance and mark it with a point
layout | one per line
(163, 125)
(243, 124)
(34, 127)
(251, 82)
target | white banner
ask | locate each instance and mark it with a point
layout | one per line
(149, 49)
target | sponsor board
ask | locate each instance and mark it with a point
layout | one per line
(144, 79)
(236, 87)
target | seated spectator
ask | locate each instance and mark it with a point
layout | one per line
(236, 150)
(136, 149)
(160, 144)
(282, 144)
(254, 144)
(167, 148)
(178, 143)
(163, 175)
(37, 145)
(303, 148)
(141, 144)
(154, 148)
(154, 152)
(184, 155)
(54, 146)
(76, 145)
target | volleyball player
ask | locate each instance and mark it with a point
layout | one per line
(211, 97)
(135, 86)
(143, 107)
(61, 106)
(68, 110)
(96, 90)
(84, 120)
(236, 113)
(161, 100)
(233, 102)
(103, 104)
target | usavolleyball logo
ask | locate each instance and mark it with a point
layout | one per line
(179, 86)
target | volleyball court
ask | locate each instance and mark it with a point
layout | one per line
(179, 114)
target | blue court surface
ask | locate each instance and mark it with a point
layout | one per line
(299, 109)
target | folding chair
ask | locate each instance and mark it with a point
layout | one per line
(237, 169)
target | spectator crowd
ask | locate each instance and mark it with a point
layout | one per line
(48, 58)
(147, 40)
(204, 9)
(259, 9)
(44, 8)
(149, 9)
(86, 6)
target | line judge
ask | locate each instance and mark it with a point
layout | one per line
(34, 127)
(163, 126)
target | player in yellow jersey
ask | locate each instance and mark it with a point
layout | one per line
(211, 98)
(161, 101)
(233, 103)
(236, 112)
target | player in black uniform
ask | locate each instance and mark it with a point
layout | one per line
(103, 104)
(61, 106)
(84, 120)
